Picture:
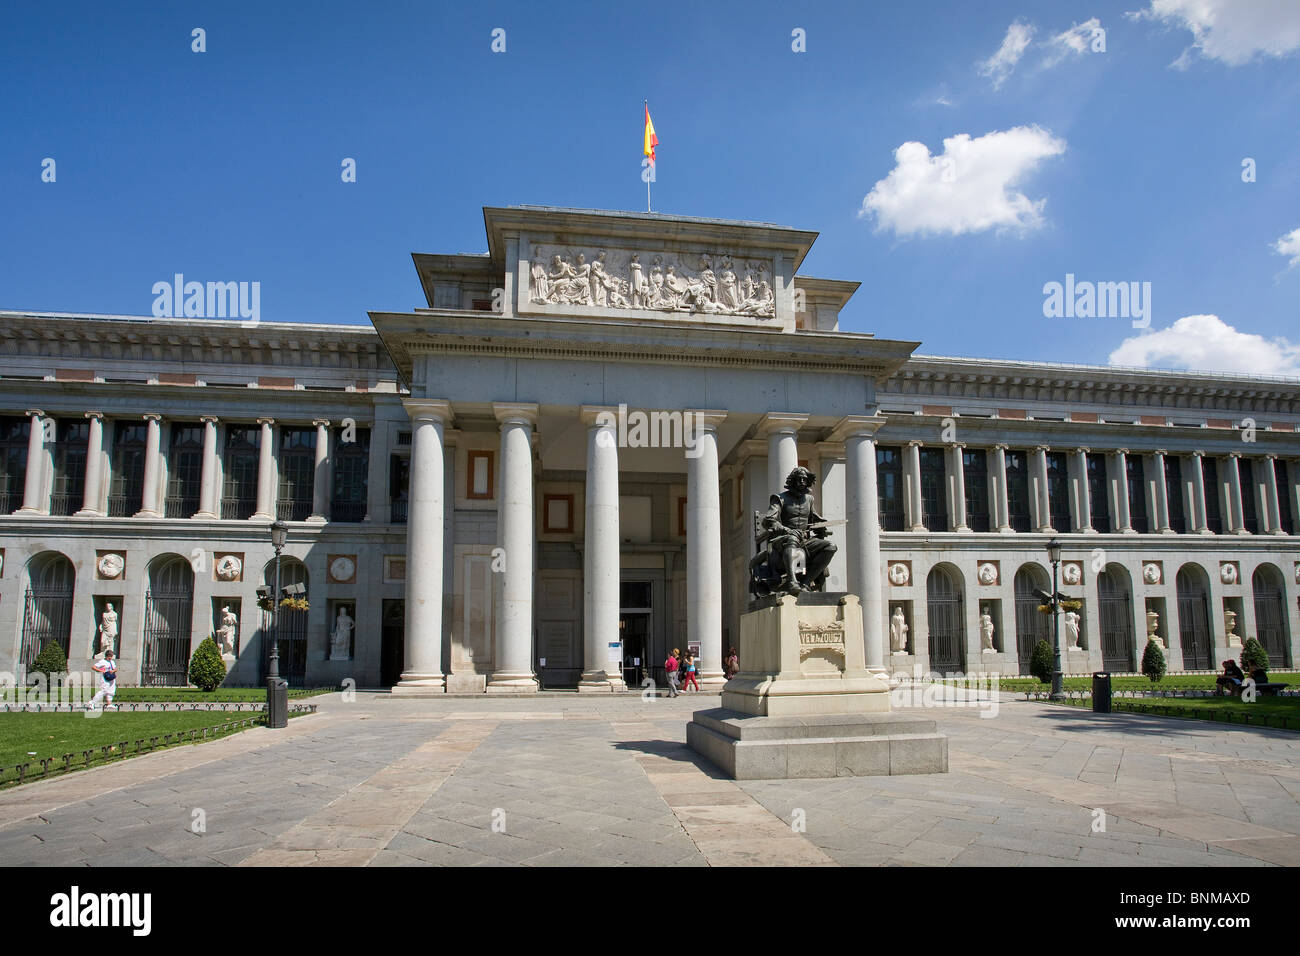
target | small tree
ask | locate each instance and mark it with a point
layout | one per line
(1153, 661)
(1040, 661)
(50, 662)
(1253, 656)
(207, 669)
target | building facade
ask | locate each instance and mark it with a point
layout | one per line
(548, 476)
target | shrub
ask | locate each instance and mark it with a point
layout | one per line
(51, 660)
(1040, 661)
(207, 669)
(1253, 656)
(1153, 661)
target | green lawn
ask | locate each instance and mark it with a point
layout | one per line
(1281, 712)
(29, 737)
(1130, 682)
(173, 695)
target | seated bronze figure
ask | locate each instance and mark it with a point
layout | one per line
(793, 551)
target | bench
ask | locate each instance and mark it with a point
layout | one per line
(1271, 689)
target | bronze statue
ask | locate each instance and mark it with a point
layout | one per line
(793, 551)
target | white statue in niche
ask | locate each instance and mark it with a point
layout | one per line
(1072, 631)
(108, 630)
(341, 636)
(227, 631)
(1153, 625)
(986, 632)
(898, 632)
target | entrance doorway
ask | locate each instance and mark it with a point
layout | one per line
(392, 648)
(635, 600)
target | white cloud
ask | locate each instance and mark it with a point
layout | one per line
(1289, 246)
(967, 188)
(1207, 343)
(1231, 31)
(999, 66)
(1075, 41)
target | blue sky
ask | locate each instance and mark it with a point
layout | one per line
(1122, 165)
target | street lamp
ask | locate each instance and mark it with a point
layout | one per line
(1054, 555)
(279, 535)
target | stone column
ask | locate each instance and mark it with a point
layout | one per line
(1083, 499)
(862, 532)
(602, 668)
(1001, 504)
(36, 501)
(516, 533)
(149, 504)
(781, 429)
(209, 494)
(1200, 514)
(957, 484)
(266, 490)
(320, 483)
(422, 664)
(1123, 516)
(1161, 489)
(1274, 510)
(94, 467)
(704, 546)
(912, 487)
(1236, 516)
(1043, 496)
(1293, 496)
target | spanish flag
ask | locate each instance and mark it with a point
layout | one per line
(651, 140)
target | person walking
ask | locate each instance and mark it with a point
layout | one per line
(690, 672)
(670, 667)
(731, 666)
(107, 670)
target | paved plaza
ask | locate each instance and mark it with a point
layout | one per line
(562, 780)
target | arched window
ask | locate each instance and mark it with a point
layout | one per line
(946, 616)
(168, 617)
(1270, 614)
(47, 612)
(1194, 617)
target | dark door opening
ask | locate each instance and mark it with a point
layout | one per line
(392, 652)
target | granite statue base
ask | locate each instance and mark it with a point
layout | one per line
(804, 703)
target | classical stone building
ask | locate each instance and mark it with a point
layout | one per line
(549, 476)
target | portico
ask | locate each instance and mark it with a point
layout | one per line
(551, 490)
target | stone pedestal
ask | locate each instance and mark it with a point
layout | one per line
(805, 705)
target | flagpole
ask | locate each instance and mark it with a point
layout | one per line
(647, 182)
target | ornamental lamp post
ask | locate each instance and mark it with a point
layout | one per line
(279, 535)
(1054, 555)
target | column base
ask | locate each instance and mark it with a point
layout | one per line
(142, 513)
(713, 679)
(30, 511)
(419, 685)
(598, 682)
(260, 516)
(88, 513)
(315, 519)
(503, 683)
(203, 516)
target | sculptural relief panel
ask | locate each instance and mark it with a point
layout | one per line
(656, 281)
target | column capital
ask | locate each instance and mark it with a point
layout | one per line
(266, 421)
(1043, 448)
(321, 422)
(1161, 452)
(779, 422)
(1198, 453)
(1234, 454)
(523, 413)
(957, 445)
(1121, 451)
(209, 418)
(915, 443)
(1083, 450)
(152, 416)
(99, 415)
(35, 412)
(418, 408)
(1271, 456)
(1001, 446)
(851, 426)
(594, 416)
(706, 418)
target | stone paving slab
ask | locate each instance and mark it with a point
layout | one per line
(608, 781)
